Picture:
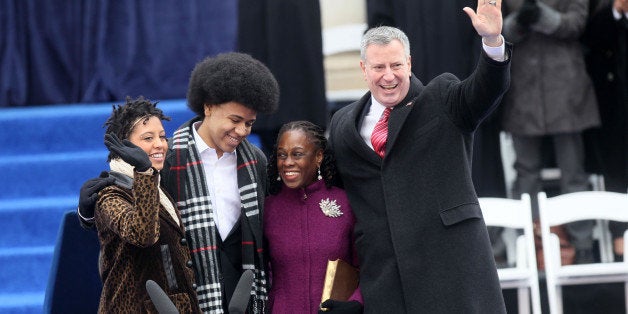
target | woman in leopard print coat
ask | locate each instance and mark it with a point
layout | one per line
(139, 228)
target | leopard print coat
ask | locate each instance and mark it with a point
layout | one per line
(140, 241)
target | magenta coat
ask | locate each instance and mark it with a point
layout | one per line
(301, 238)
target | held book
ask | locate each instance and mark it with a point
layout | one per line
(341, 280)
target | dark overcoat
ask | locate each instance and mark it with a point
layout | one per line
(551, 92)
(606, 41)
(422, 243)
(607, 57)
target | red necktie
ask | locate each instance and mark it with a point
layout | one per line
(380, 133)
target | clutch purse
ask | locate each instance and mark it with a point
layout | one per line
(341, 280)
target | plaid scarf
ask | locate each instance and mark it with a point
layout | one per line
(187, 184)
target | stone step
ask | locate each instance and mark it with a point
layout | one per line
(49, 175)
(34, 221)
(25, 269)
(21, 303)
(68, 128)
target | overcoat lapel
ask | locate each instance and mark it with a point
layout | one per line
(353, 139)
(397, 119)
(163, 214)
(400, 113)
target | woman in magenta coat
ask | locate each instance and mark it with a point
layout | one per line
(307, 221)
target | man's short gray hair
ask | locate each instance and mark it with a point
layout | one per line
(383, 35)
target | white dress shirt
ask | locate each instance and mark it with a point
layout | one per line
(617, 14)
(370, 119)
(222, 182)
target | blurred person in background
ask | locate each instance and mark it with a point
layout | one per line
(550, 95)
(605, 40)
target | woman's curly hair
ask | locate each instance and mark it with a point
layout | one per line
(317, 136)
(236, 77)
(123, 118)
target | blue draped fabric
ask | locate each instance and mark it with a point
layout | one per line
(71, 51)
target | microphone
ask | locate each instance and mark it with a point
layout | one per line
(242, 293)
(160, 299)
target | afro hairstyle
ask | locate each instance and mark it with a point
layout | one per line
(232, 77)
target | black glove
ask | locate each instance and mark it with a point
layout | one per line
(341, 307)
(529, 13)
(89, 193)
(129, 152)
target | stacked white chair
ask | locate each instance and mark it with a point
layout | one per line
(562, 209)
(523, 276)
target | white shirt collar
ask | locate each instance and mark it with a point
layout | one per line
(376, 109)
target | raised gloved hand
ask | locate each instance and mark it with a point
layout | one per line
(340, 307)
(129, 152)
(89, 193)
(529, 13)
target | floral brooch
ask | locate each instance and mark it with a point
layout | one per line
(330, 208)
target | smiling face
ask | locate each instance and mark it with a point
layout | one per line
(226, 125)
(298, 159)
(386, 70)
(150, 136)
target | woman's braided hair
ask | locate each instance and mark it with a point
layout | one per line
(316, 134)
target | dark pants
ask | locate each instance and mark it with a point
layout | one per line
(230, 256)
(569, 154)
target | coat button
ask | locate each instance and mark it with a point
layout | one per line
(194, 286)
(610, 76)
(189, 263)
(184, 241)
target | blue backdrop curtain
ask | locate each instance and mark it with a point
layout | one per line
(94, 51)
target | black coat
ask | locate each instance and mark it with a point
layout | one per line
(607, 63)
(606, 57)
(422, 243)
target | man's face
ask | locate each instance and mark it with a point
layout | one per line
(386, 70)
(226, 125)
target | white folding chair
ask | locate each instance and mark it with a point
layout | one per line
(516, 214)
(570, 207)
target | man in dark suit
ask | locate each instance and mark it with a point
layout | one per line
(421, 240)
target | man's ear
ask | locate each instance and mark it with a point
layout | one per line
(207, 110)
(363, 67)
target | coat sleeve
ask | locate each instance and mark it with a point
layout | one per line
(470, 101)
(568, 23)
(133, 217)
